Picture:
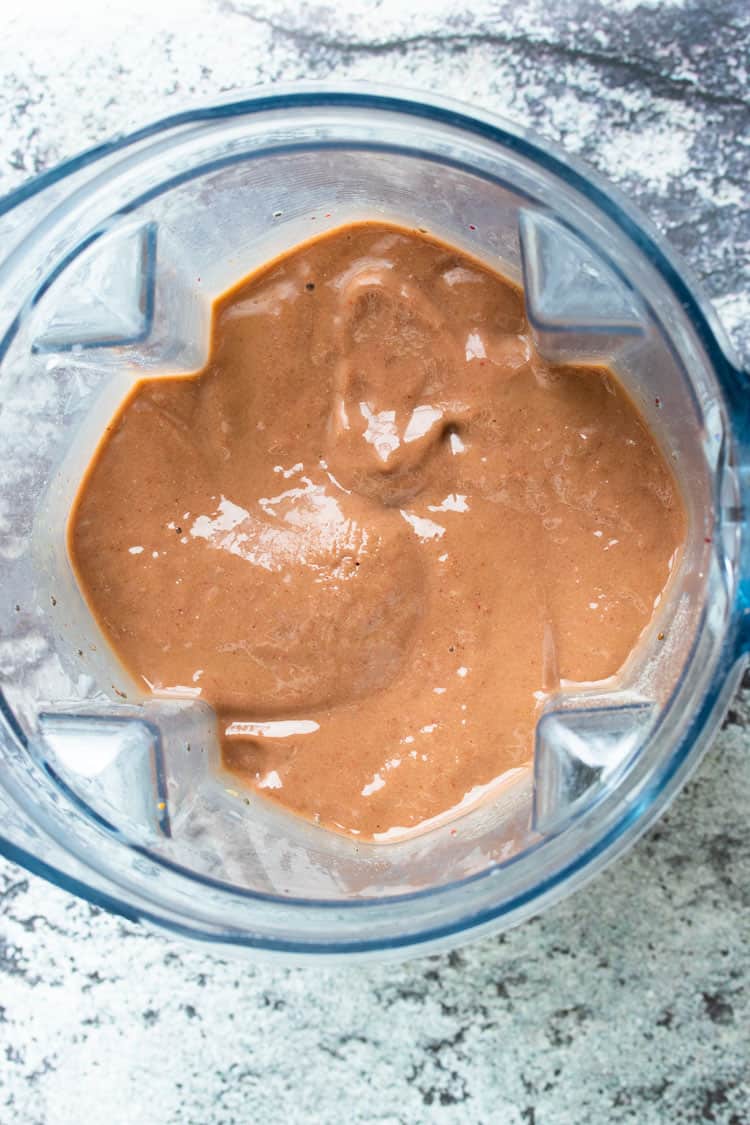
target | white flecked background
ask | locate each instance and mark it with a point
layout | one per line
(628, 1002)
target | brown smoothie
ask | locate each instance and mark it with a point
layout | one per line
(375, 530)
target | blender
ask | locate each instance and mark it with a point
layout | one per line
(110, 266)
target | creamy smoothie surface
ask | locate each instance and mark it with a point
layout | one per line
(375, 530)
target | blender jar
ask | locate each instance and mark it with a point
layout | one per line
(111, 262)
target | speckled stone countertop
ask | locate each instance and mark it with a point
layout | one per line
(628, 1002)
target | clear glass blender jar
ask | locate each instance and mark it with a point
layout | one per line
(110, 264)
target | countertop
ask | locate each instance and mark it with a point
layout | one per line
(629, 1001)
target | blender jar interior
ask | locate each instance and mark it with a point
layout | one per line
(113, 283)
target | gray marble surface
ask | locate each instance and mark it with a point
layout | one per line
(629, 1002)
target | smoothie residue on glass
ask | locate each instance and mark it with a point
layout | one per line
(375, 531)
